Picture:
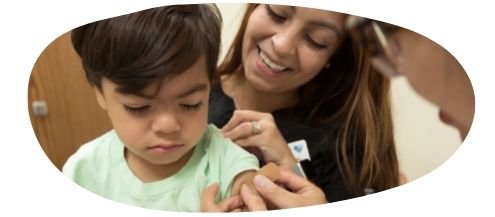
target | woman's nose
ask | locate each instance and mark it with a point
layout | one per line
(284, 42)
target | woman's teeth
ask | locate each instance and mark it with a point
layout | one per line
(270, 64)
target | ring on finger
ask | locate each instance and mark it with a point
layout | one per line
(255, 128)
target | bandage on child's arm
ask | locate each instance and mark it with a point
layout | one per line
(271, 171)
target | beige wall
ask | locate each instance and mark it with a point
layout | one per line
(232, 16)
(423, 142)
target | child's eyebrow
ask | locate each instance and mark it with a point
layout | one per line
(193, 89)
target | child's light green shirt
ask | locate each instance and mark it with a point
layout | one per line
(100, 167)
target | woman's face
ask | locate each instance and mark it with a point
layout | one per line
(284, 47)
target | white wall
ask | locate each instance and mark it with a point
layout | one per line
(423, 142)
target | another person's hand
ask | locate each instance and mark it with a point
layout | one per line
(300, 192)
(251, 129)
(231, 204)
(253, 201)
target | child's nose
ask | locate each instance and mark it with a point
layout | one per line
(165, 123)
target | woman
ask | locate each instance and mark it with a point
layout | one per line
(293, 74)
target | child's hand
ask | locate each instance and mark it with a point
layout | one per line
(231, 204)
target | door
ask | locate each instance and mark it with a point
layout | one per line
(63, 108)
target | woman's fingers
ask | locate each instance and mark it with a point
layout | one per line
(255, 129)
(238, 117)
(242, 130)
(241, 116)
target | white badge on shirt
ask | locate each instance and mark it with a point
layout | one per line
(299, 149)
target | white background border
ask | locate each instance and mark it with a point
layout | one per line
(463, 186)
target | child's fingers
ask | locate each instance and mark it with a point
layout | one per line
(237, 210)
(208, 198)
(231, 204)
(228, 205)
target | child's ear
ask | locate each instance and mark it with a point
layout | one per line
(100, 98)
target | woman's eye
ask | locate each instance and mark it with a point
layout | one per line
(136, 110)
(192, 107)
(313, 43)
(276, 17)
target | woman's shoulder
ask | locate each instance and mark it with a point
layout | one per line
(217, 95)
(221, 107)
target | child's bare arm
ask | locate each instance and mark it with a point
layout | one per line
(270, 170)
(243, 178)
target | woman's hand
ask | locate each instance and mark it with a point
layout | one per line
(251, 129)
(231, 204)
(300, 192)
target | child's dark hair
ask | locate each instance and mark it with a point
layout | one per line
(137, 49)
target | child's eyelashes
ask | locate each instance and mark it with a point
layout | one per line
(136, 110)
(191, 107)
(139, 110)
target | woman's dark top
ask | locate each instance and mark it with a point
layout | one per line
(321, 142)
